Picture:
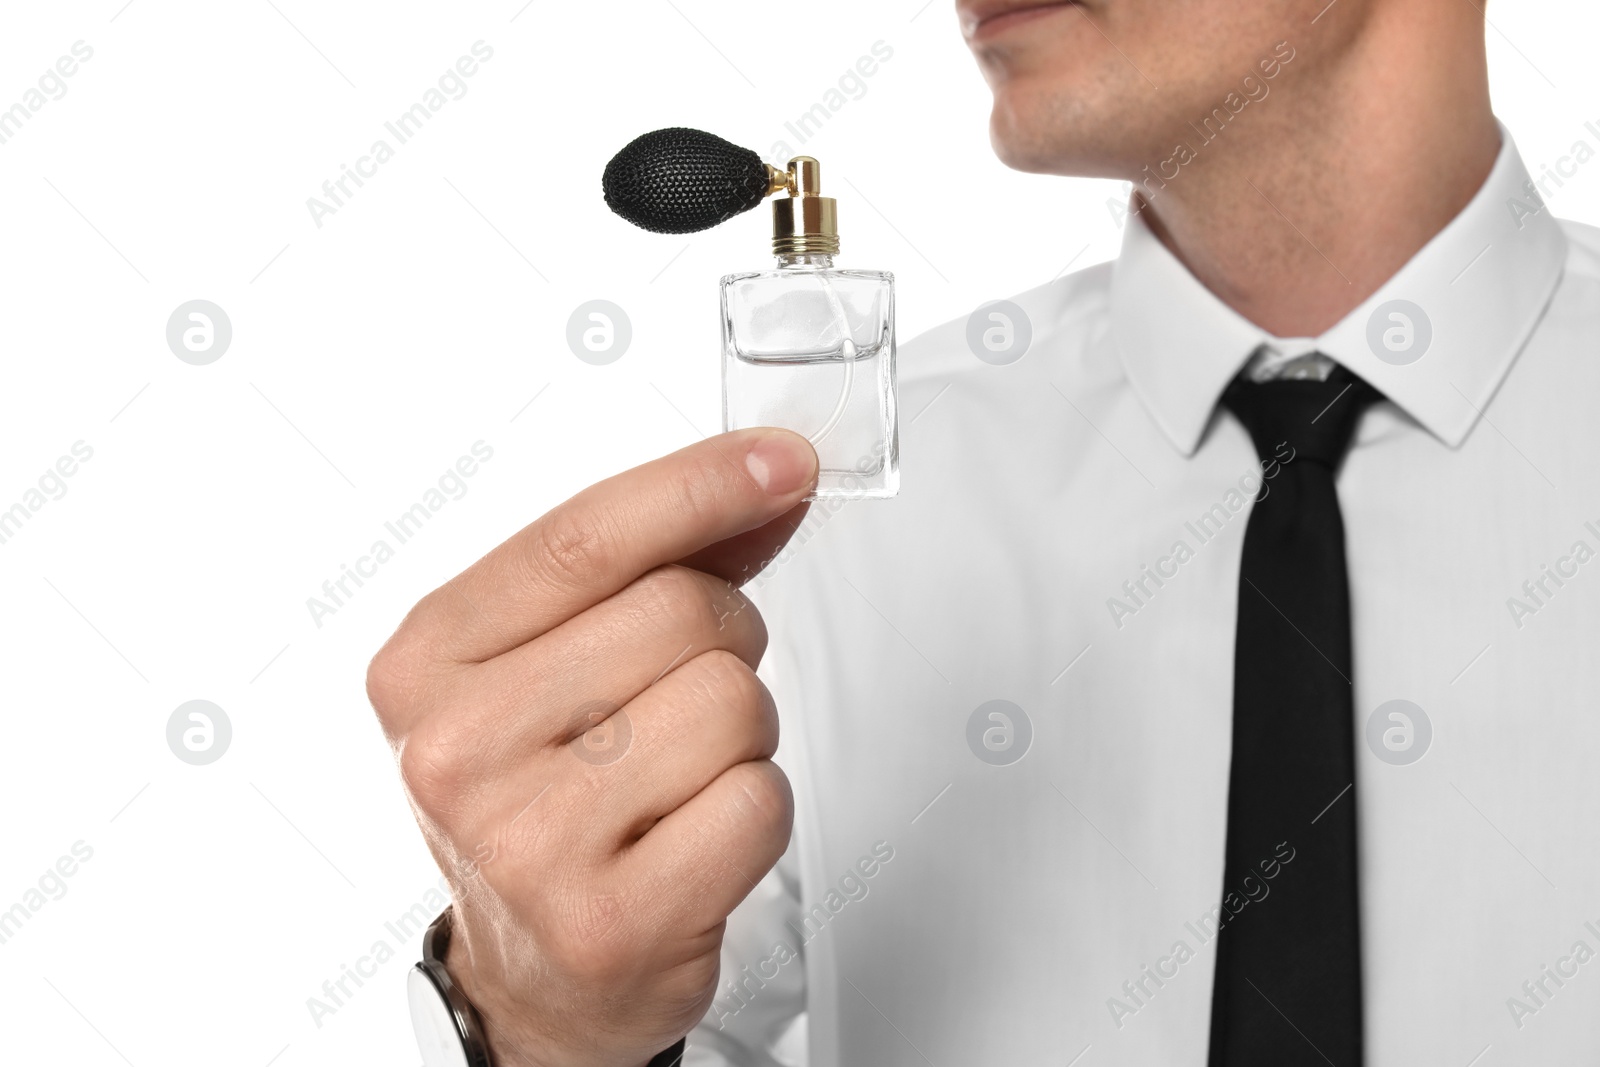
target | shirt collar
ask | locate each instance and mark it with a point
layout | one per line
(1472, 295)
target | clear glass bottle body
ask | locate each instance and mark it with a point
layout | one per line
(810, 347)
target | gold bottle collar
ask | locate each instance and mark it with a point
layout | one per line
(805, 221)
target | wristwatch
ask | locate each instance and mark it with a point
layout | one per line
(449, 1031)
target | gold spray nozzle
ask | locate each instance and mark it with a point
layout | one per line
(805, 221)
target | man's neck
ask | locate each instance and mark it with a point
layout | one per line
(1318, 193)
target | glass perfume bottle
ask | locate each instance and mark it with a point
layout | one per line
(810, 347)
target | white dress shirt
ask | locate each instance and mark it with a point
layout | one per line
(1059, 909)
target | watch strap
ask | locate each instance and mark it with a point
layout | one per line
(672, 1057)
(435, 948)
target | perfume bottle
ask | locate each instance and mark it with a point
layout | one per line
(806, 346)
(810, 347)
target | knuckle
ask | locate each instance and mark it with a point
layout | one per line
(672, 593)
(752, 626)
(764, 794)
(385, 691)
(736, 615)
(714, 609)
(392, 681)
(405, 676)
(686, 992)
(720, 678)
(572, 547)
(434, 769)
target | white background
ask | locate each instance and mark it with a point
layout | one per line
(428, 313)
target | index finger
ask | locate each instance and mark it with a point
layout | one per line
(600, 540)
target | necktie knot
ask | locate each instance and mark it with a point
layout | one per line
(1315, 418)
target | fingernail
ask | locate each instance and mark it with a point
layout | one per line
(781, 463)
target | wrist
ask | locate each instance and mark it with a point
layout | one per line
(505, 1031)
(455, 1008)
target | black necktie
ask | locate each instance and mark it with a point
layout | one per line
(1288, 968)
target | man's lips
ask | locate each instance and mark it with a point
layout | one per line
(984, 19)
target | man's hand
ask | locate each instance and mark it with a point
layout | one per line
(587, 748)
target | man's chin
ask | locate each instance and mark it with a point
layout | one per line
(1045, 148)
